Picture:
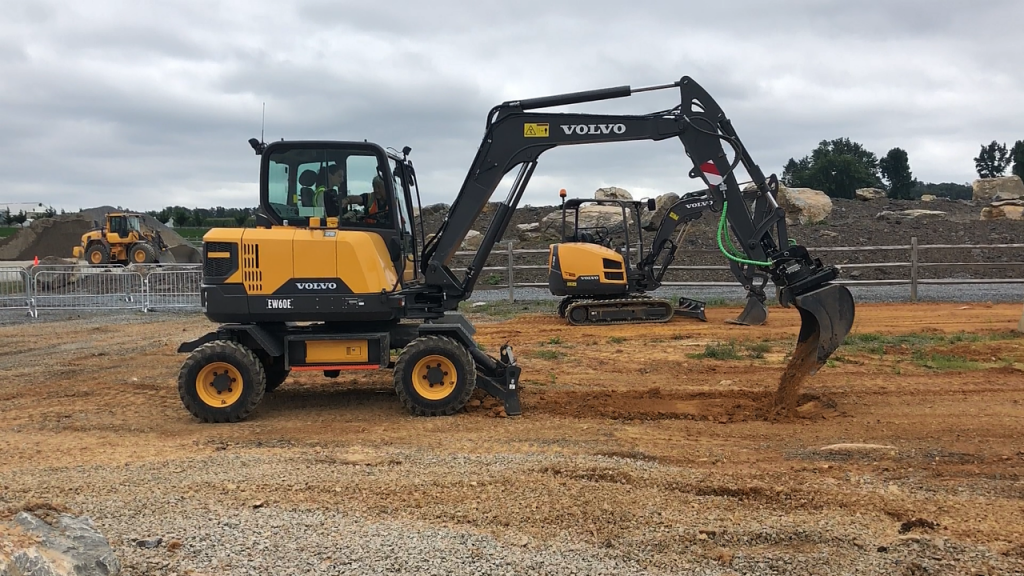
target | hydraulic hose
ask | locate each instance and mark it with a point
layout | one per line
(722, 230)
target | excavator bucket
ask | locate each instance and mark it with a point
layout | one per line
(691, 308)
(826, 317)
(755, 313)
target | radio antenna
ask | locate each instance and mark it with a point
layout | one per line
(263, 121)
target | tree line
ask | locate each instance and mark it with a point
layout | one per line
(841, 166)
(217, 217)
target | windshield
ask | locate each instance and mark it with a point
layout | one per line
(305, 183)
(133, 224)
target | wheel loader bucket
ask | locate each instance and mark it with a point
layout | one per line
(755, 313)
(826, 317)
(166, 257)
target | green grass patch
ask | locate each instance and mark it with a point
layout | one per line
(616, 339)
(718, 351)
(758, 349)
(547, 354)
(6, 231)
(945, 362)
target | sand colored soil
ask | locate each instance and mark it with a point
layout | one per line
(937, 388)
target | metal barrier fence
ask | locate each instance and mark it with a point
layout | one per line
(176, 286)
(85, 289)
(15, 290)
(172, 289)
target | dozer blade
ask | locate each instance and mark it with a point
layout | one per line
(691, 309)
(755, 313)
(826, 317)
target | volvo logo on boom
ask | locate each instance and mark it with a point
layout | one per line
(593, 128)
(316, 285)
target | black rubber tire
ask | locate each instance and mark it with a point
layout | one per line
(102, 249)
(148, 249)
(275, 370)
(454, 352)
(242, 359)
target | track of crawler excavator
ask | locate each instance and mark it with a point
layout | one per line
(628, 310)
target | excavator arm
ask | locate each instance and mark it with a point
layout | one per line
(516, 136)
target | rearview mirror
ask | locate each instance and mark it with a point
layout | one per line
(651, 204)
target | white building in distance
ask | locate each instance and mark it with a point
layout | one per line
(31, 209)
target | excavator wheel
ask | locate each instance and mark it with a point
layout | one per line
(142, 253)
(97, 254)
(434, 376)
(221, 381)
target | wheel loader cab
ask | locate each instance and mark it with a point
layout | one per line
(318, 260)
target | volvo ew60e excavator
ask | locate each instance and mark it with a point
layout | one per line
(331, 278)
(602, 284)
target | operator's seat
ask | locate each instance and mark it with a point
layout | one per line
(306, 194)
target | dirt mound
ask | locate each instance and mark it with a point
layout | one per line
(657, 404)
(46, 237)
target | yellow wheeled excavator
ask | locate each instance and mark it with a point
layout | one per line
(332, 278)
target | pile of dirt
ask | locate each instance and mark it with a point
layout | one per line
(46, 237)
(57, 237)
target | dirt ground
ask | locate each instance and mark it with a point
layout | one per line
(937, 387)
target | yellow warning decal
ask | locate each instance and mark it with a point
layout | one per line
(673, 215)
(534, 130)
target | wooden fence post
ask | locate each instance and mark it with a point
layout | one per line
(913, 269)
(511, 279)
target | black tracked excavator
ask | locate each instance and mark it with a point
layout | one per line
(331, 279)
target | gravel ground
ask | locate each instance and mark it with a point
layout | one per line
(241, 512)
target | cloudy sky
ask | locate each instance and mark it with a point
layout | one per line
(145, 104)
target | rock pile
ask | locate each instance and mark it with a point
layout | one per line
(65, 546)
(1005, 197)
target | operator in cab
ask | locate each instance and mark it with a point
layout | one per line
(377, 206)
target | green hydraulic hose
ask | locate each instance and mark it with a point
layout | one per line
(722, 229)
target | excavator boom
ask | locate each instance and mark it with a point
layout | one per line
(516, 135)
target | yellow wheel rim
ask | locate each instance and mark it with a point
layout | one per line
(95, 256)
(219, 385)
(140, 256)
(434, 377)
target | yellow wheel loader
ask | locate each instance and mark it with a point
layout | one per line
(334, 279)
(122, 240)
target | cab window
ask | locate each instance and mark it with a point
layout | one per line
(304, 183)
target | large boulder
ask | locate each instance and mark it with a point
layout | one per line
(868, 194)
(911, 215)
(1005, 211)
(612, 193)
(1003, 188)
(927, 197)
(473, 240)
(591, 216)
(651, 220)
(71, 546)
(804, 205)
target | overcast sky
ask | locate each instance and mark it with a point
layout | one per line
(146, 104)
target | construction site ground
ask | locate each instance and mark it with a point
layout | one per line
(641, 449)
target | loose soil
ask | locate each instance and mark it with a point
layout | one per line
(650, 449)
